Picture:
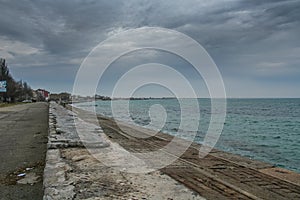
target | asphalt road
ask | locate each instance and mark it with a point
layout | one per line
(23, 140)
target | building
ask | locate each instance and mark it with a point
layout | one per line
(42, 95)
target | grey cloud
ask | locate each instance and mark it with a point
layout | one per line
(65, 25)
(239, 35)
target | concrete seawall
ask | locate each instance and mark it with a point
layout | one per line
(73, 173)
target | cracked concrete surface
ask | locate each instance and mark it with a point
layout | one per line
(71, 172)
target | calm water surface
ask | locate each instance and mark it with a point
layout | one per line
(262, 129)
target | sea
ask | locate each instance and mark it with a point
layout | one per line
(262, 129)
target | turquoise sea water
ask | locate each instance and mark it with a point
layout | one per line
(262, 129)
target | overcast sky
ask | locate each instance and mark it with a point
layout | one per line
(255, 44)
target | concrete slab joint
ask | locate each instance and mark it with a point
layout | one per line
(62, 135)
(71, 172)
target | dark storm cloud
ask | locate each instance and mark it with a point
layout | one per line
(57, 26)
(244, 37)
(63, 25)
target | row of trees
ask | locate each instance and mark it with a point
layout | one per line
(15, 90)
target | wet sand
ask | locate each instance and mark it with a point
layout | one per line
(219, 175)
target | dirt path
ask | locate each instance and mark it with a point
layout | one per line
(23, 139)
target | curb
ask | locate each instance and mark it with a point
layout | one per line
(54, 182)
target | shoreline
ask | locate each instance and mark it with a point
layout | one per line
(245, 161)
(252, 157)
(218, 162)
(71, 172)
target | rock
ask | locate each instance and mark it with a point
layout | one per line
(30, 178)
(79, 158)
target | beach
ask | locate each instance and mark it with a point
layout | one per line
(71, 171)
(150, 100)
(260, 129)
(219, 175)
(80, 167)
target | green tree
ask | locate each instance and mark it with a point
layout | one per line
(16, 91)
(5, 76)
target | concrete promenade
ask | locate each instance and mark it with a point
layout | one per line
(23, 139)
